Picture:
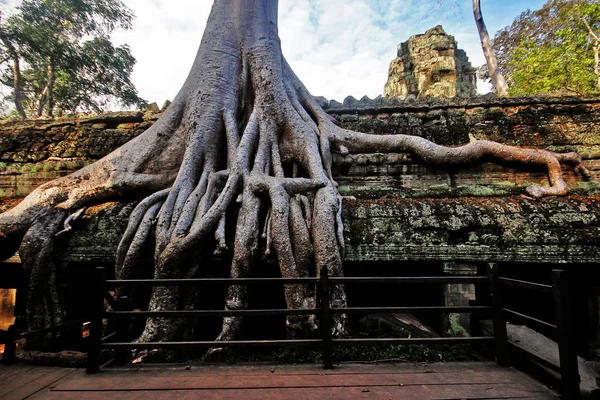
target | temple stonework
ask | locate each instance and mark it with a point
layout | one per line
(431, 64)
(396, 207)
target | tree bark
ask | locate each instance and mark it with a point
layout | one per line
(490, 55)
(596, 40)
(46, 100)
(597, 64)
(16, 68)
(50, 93)
(18, 94)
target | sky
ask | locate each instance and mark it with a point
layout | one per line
(338, 48)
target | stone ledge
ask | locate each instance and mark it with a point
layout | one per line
(366, 105)
(515, 229)
(391, 189)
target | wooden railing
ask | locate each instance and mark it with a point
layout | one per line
(562, 331)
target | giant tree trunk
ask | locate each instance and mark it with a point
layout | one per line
(243, 137)
(488, 51)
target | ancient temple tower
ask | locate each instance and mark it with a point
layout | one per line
(431, 64)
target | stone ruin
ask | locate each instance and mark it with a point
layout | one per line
(431, 64)
(401, 217)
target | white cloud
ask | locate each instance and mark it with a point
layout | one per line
(342, 59)
(164, 41)
(348, 50)
(336, 47)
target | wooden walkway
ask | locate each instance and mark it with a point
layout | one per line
(473, 380)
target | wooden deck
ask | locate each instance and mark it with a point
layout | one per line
(474, 380)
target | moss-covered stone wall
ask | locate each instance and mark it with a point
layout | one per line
(32, 152)
(35, 151)
(395, 207)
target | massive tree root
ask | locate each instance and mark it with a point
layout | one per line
(243, 137)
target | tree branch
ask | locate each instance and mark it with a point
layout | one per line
(488, 51)
(589, 28)
(16, 73)
(596, 51)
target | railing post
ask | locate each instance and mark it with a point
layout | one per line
(500, 334)
(474, 320)
(325, 318)
(10, 346)
(20, 301)
(97, 304)
(122, 325)
(567, 353)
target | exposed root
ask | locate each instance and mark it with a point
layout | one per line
(339, 224)
(220, 237)
(36, 248)
(129, 267)
(73, 217)
(135, 219)
(267, 235)
(472, 152)
(307, 209)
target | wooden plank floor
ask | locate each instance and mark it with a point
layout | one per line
(474, 380)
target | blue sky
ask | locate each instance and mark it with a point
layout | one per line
(336, 47)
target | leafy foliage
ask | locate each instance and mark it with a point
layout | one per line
(103, 74)
(551, 49)
(68, 61)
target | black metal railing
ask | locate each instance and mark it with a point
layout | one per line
(101, 293)
(562, 331)
(482, 311)
(325, 314)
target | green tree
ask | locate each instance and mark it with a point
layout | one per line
(553, 48)
(63, 56)
(10, 53)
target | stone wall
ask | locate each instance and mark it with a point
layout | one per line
(406, 210)
(556, 124)
(431, 64)
(35, 151)
(395, 208)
